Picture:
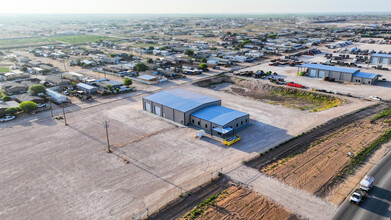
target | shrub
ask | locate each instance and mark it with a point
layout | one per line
(203, 66)
(141, 67)
(11, 111)
(6, 98)
(128, 82)
(28, 106)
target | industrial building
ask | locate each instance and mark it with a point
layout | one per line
(381, 59)
(339, 74)
(87, 88)
(197, 110)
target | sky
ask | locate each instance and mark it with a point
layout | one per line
(191, 6)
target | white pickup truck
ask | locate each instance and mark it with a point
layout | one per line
(357, 196)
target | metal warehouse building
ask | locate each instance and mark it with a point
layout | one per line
(339, 73)
(384, 59)
(201, 111)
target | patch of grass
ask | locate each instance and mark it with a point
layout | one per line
(200, 208)
(316, 102)
(4, 70)
(383, 114)
(73, 39)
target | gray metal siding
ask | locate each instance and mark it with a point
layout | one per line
(347, 77)
(168, 113)
(179, 117)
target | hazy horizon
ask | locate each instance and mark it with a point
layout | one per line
(193, 7)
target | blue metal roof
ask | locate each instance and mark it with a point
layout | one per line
(218, 114)
(381, 55)
(365, 75)
(329, 68)
(179, 99)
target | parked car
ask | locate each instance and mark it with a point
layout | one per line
(7, 118)
(375, 98)
(42, 105)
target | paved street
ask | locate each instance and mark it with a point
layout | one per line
(378, 203)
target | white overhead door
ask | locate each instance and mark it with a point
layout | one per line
(157, 110)
(312, 73)
(147, 107)
(386, 61)
(321, 74)
(375, 59)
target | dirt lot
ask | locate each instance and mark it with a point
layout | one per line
(279, 95)
(312, 170)
(240, 203)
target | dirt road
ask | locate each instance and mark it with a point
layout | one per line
(299, 202)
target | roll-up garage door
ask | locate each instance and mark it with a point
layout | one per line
(321, 74)
(375, 59)
(312, 73)
(147, 107)
(385, 61)
(157, 110)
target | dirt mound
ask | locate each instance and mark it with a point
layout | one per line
(281, 95)
(241, 203)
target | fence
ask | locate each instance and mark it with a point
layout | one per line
(183, 190)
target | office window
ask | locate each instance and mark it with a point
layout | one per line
(246, 120)
(241, 123)
(199, 123)
(237, 124)
(206, 126)
(192, 121)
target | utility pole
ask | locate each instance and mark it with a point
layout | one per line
(107, 136)
(63, 112)
(51, 109)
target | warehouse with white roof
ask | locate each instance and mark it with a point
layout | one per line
(339, 74)
(197, 110)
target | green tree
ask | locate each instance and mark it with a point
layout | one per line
(203, 66)
(141, 67)
(36, 89)
(45, 71)
(28, 106)
(6, 98)
(109, 87)
(189, 52)
(128, 82)
(213, 48)
(149, 60)
(11, 111)
(151, 48)
(112, 55)
(24, 69)
(203, 60)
